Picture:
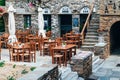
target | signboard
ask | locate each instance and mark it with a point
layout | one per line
(2, 2)
(75, 22)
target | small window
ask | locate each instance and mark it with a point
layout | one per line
(27, 21)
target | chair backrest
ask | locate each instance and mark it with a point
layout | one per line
(10, 48)
(58, 41)
(51, 46)
(48, 34)
(32, 46)
(40, 42)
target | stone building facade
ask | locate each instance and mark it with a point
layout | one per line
(53, 8)
(109, 14)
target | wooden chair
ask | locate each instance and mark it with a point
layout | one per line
(57, 57)
(48, 34)
(33, 50)
(46, 50)
(5, 39)
(25, 55)
(51, 46)
(58, 41)
(40, 44)
(12, 53)
(78, 41)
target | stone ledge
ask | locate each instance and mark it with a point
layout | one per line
(43, 72)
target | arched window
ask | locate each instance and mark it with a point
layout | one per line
(85, 10)
(65, 10)
(46, 11)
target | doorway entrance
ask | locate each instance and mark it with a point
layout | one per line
(115, 38)
(47, 22)
(2, 25)
(83, 18)
(65, 22)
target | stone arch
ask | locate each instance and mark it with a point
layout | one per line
(106, 22)
(115, 38)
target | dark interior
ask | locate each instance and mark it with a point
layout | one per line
(65, 23)
(115, 38)
(47, 22)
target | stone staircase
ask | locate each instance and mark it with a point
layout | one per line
(67, 74)
(91, 37)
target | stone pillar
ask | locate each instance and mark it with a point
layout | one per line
(55, 27)
(19, 21)
(34, 23)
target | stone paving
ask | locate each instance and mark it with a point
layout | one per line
(104, 70)
(108, 70)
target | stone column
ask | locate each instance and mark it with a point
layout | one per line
(55, 27)
(19, 21)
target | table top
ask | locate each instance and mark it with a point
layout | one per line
(64, 47)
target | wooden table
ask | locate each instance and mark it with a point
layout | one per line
(65, 49)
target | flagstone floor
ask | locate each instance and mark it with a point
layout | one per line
(105, 70)
(109, 70)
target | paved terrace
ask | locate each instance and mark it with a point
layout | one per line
(108, 69)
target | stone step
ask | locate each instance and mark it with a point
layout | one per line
(92, 34)
(71, 76)
(91, 37)
(64, 71)
(87, 48)
(91, 30)
(97, 64)
(93, 27)
(95, 59)
(91, 40)
(94, 24)
(88, 44)
(80, 78)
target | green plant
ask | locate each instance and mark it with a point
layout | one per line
(24, 71)
(10, 78)
(2, 63)
(32, 68)
(64, 43)
(14, 65)
(48, 28)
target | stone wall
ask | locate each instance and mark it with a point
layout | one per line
(54, 6)
(108, 19)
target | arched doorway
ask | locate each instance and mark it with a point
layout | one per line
(65, 20)
(83, 16)
(115, 38)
